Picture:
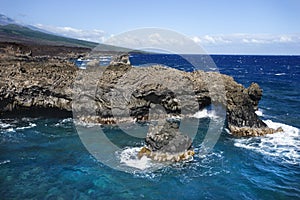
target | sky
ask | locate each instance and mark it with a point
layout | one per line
(219, 26)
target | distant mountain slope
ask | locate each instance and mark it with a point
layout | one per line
(13, 31)
(22, 34)
(6, 20)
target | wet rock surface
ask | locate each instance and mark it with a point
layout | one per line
(165, 137)
(164, 142)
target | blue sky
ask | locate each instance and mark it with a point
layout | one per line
(220, 26)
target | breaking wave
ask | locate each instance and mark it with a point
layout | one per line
(205, 113)
(282, 145)
(129, 158)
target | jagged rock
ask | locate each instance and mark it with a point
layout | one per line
(255, 94)
(166, 137)
(164, 157)
(120, 92)
(164, 142)
(120, 60)
(252, 132)
(36, 85)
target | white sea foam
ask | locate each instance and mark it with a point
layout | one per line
(63, 121)
(84, 124)
(105, 59)
(174, 118)
(4, 125)
(10, 130)
(283, 145)
(31, 125)
(129, 157)
(13, 125)
(280, 74)
(4, 162)
(259, 112)
(206, 114)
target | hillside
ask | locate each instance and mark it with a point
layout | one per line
(14, 33)
(22, 34)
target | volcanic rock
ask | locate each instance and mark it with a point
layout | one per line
(120, 92)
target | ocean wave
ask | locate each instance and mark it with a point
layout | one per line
(31, 125)
(4, 162)
(10, 130)
(280, 74)
(282, 145)
(10, 125)
(202, 165)
(4, 125)
(64, 122)
(86, 124)
(259, 112)
(205, 113)
(141, 168)
(128, 157)
(14, 129)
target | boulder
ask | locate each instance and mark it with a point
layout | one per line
(164, 142)
(122, 59)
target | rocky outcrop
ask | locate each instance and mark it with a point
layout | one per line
(164, 142)
(122, 59)
(38, 85)
(121, 92)
(28, 84)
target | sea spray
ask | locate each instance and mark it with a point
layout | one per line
(282, 145)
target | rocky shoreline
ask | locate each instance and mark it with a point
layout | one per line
(121, 92)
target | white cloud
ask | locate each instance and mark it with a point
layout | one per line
(246, 39)
(211, 39)
(285, 38)
(267, 44)
(238, 43)
(89, 35)
(155, 38)
(271, 44)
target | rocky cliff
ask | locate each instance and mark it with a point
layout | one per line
(121, 92)
(34, 84)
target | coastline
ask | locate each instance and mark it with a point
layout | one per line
(60, 135)
(41, 83)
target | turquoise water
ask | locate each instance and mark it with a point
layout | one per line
(44, 158)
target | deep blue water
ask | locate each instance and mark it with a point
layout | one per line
(44, 158)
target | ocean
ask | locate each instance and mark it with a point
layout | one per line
(44, 158)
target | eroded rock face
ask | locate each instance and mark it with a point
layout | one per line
(30, 84)
(121, 92)
(164, 142)
(167, 138)
(252, 132)
(122, 59)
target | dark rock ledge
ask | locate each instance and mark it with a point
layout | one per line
(47, 83)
